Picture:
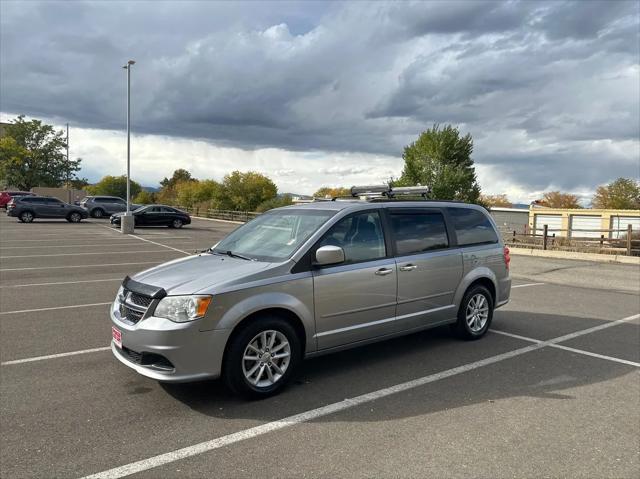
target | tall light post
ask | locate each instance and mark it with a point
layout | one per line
(127, 221)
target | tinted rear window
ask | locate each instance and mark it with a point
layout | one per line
(419, 232)
(472, 226)
(28, 199)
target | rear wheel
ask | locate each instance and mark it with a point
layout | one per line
(177, 223)
(97, 213)
(262, 357)
(26, 216)
(475, 313)
(75, 217)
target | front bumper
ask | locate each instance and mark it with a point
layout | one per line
(191, 354)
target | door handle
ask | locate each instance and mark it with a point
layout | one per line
(408, 267)
(384, 271)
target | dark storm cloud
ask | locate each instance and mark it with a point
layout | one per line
(546, 78)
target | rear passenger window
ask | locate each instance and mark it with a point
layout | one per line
(360, 236)
(419, 232)
(472, 226)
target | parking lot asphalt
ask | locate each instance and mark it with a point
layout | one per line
(552, 391)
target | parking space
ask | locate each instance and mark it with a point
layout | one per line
(552, 391)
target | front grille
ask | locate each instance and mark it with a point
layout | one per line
(139, 299)
(131, 315)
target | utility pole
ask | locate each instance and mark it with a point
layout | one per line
(127, 221)
(68, 169)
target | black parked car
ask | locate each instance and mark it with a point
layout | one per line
(156, 215)
(26, 208)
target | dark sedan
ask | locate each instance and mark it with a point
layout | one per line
(156, 215)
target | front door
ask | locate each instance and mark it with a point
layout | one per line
(429, 271)
(355, 300)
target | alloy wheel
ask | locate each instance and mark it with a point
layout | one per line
(477, 313)
(266, 358)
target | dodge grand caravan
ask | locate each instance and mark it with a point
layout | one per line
(310, 279)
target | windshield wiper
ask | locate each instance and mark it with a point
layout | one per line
(232, 254)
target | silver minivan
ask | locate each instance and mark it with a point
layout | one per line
(311, 279)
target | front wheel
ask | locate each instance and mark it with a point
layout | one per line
(262, 357)
(475, 313)
(26, 217)
(75, 217)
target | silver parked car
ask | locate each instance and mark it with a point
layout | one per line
(311, 279)
(100, 206)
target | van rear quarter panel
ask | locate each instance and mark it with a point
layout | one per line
(484, 261)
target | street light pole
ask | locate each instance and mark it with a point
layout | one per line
(68, 169)
(127, 221)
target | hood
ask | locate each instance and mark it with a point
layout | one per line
(204, 273)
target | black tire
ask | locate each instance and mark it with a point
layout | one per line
(177, 223)
(97, 213)
(27, 216)
(74, 217)
(233, 365)
(462, 328)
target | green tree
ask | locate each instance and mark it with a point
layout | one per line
(277, 202)
(623, 193)
(168, 194)
(145, 198)
(207, 190)
(186, 192)
(34, 154)
(441, 159)
(179, 175)
(245, 191)
(331, 192)
(114, 186)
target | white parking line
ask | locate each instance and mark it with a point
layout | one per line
(83, 254)
(53, 356)
(243, 435)
(160, 244)
(101, 265)
(60, 282)
(56, 307)
(85, 245)
(526, 285)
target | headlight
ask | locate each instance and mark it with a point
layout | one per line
(119, 299)
(181, 309)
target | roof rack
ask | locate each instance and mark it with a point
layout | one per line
(384, 192)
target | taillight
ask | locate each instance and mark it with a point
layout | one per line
(507, 257)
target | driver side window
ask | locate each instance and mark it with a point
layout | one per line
(359, 235)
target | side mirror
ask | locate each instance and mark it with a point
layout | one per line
(329, 255)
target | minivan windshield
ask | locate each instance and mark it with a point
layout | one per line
(273, 236)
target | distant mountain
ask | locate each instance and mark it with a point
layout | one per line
(151, 189)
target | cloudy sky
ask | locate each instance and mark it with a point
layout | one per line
(329, 93)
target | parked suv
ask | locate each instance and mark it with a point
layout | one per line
(310, 279)
(27, 208)
(6, 196)
(99, 206)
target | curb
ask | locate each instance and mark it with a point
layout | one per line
(602, 258)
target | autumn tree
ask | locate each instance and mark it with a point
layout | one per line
(500, 200)
(623, 193)
(332, 192)
(34, 154)
(556, 199)
(441, 159)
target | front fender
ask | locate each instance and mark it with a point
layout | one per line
(301, 305)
